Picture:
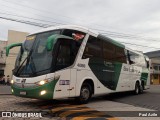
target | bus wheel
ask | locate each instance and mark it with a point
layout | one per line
(141, 87)
(85, 94)
(137, 88)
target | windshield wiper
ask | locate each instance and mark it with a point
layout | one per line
(33, 65)
(27, 58)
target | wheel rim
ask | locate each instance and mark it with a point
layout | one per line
(85, 93)
(137, 90)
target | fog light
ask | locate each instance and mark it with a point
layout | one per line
(43, 92)
(12, 81)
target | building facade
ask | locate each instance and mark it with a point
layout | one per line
(13, 37)
(155, 66)
(2, 57)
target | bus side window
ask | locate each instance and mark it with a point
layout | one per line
(108, 51)
(64, 55)
(75, 45)
(93, 48)
(137, 59)
(132, 57)
(147, 62)
(113, 53)
(120, 55)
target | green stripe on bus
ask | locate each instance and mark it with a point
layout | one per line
(144, 77)
(34, 92)
(106, 72)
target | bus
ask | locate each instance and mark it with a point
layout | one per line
(71, 61)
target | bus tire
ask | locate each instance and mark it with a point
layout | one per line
(137, 88)
(141, 87)
(85, 94)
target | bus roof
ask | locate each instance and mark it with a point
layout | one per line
(86, 30)
(74, 27)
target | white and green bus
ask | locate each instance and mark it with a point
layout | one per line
(75, 62)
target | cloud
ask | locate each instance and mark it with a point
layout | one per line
(137, 17)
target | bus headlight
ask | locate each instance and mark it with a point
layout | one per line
(43, 92)
(12, 91)
(42, 82)
(12, 81)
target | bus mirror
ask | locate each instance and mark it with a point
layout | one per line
(50, 42)
(53, 39)
(12, 46)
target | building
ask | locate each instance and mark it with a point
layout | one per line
(155, 66)
(2, 57)
(13, 37)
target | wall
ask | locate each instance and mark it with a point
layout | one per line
(2, 57)
(13, 37)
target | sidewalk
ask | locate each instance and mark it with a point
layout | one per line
(118, 110)
(5, 90)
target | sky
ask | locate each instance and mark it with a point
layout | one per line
(128, 21)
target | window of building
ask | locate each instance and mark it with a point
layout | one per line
(155, 76)
(159, 68)
(155, 67)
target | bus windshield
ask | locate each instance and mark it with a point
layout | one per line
(35, 60)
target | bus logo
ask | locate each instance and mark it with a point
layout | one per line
(23, 81)
(81, 65)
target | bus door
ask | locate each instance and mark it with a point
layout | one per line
(66, 53)
(62, 62)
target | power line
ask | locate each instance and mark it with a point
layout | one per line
(44, 11)
(27, 17)
(45, 25)
(130, 36)
(139, 45)
(136, 39)
(26, 22)
(32, 13)
(41, 25)
(114, 34)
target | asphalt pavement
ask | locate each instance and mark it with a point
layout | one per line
(5, 90)
(150, 99)
(109, 106)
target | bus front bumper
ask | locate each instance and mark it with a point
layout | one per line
(38, 92)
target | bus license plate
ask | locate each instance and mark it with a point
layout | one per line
(22, 93)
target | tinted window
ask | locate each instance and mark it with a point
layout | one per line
(66, 53)
(136, 59)
(93, 48)
(63, 54)
(133, 57)
(120, 55)
(113, 53)
(108, 51)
